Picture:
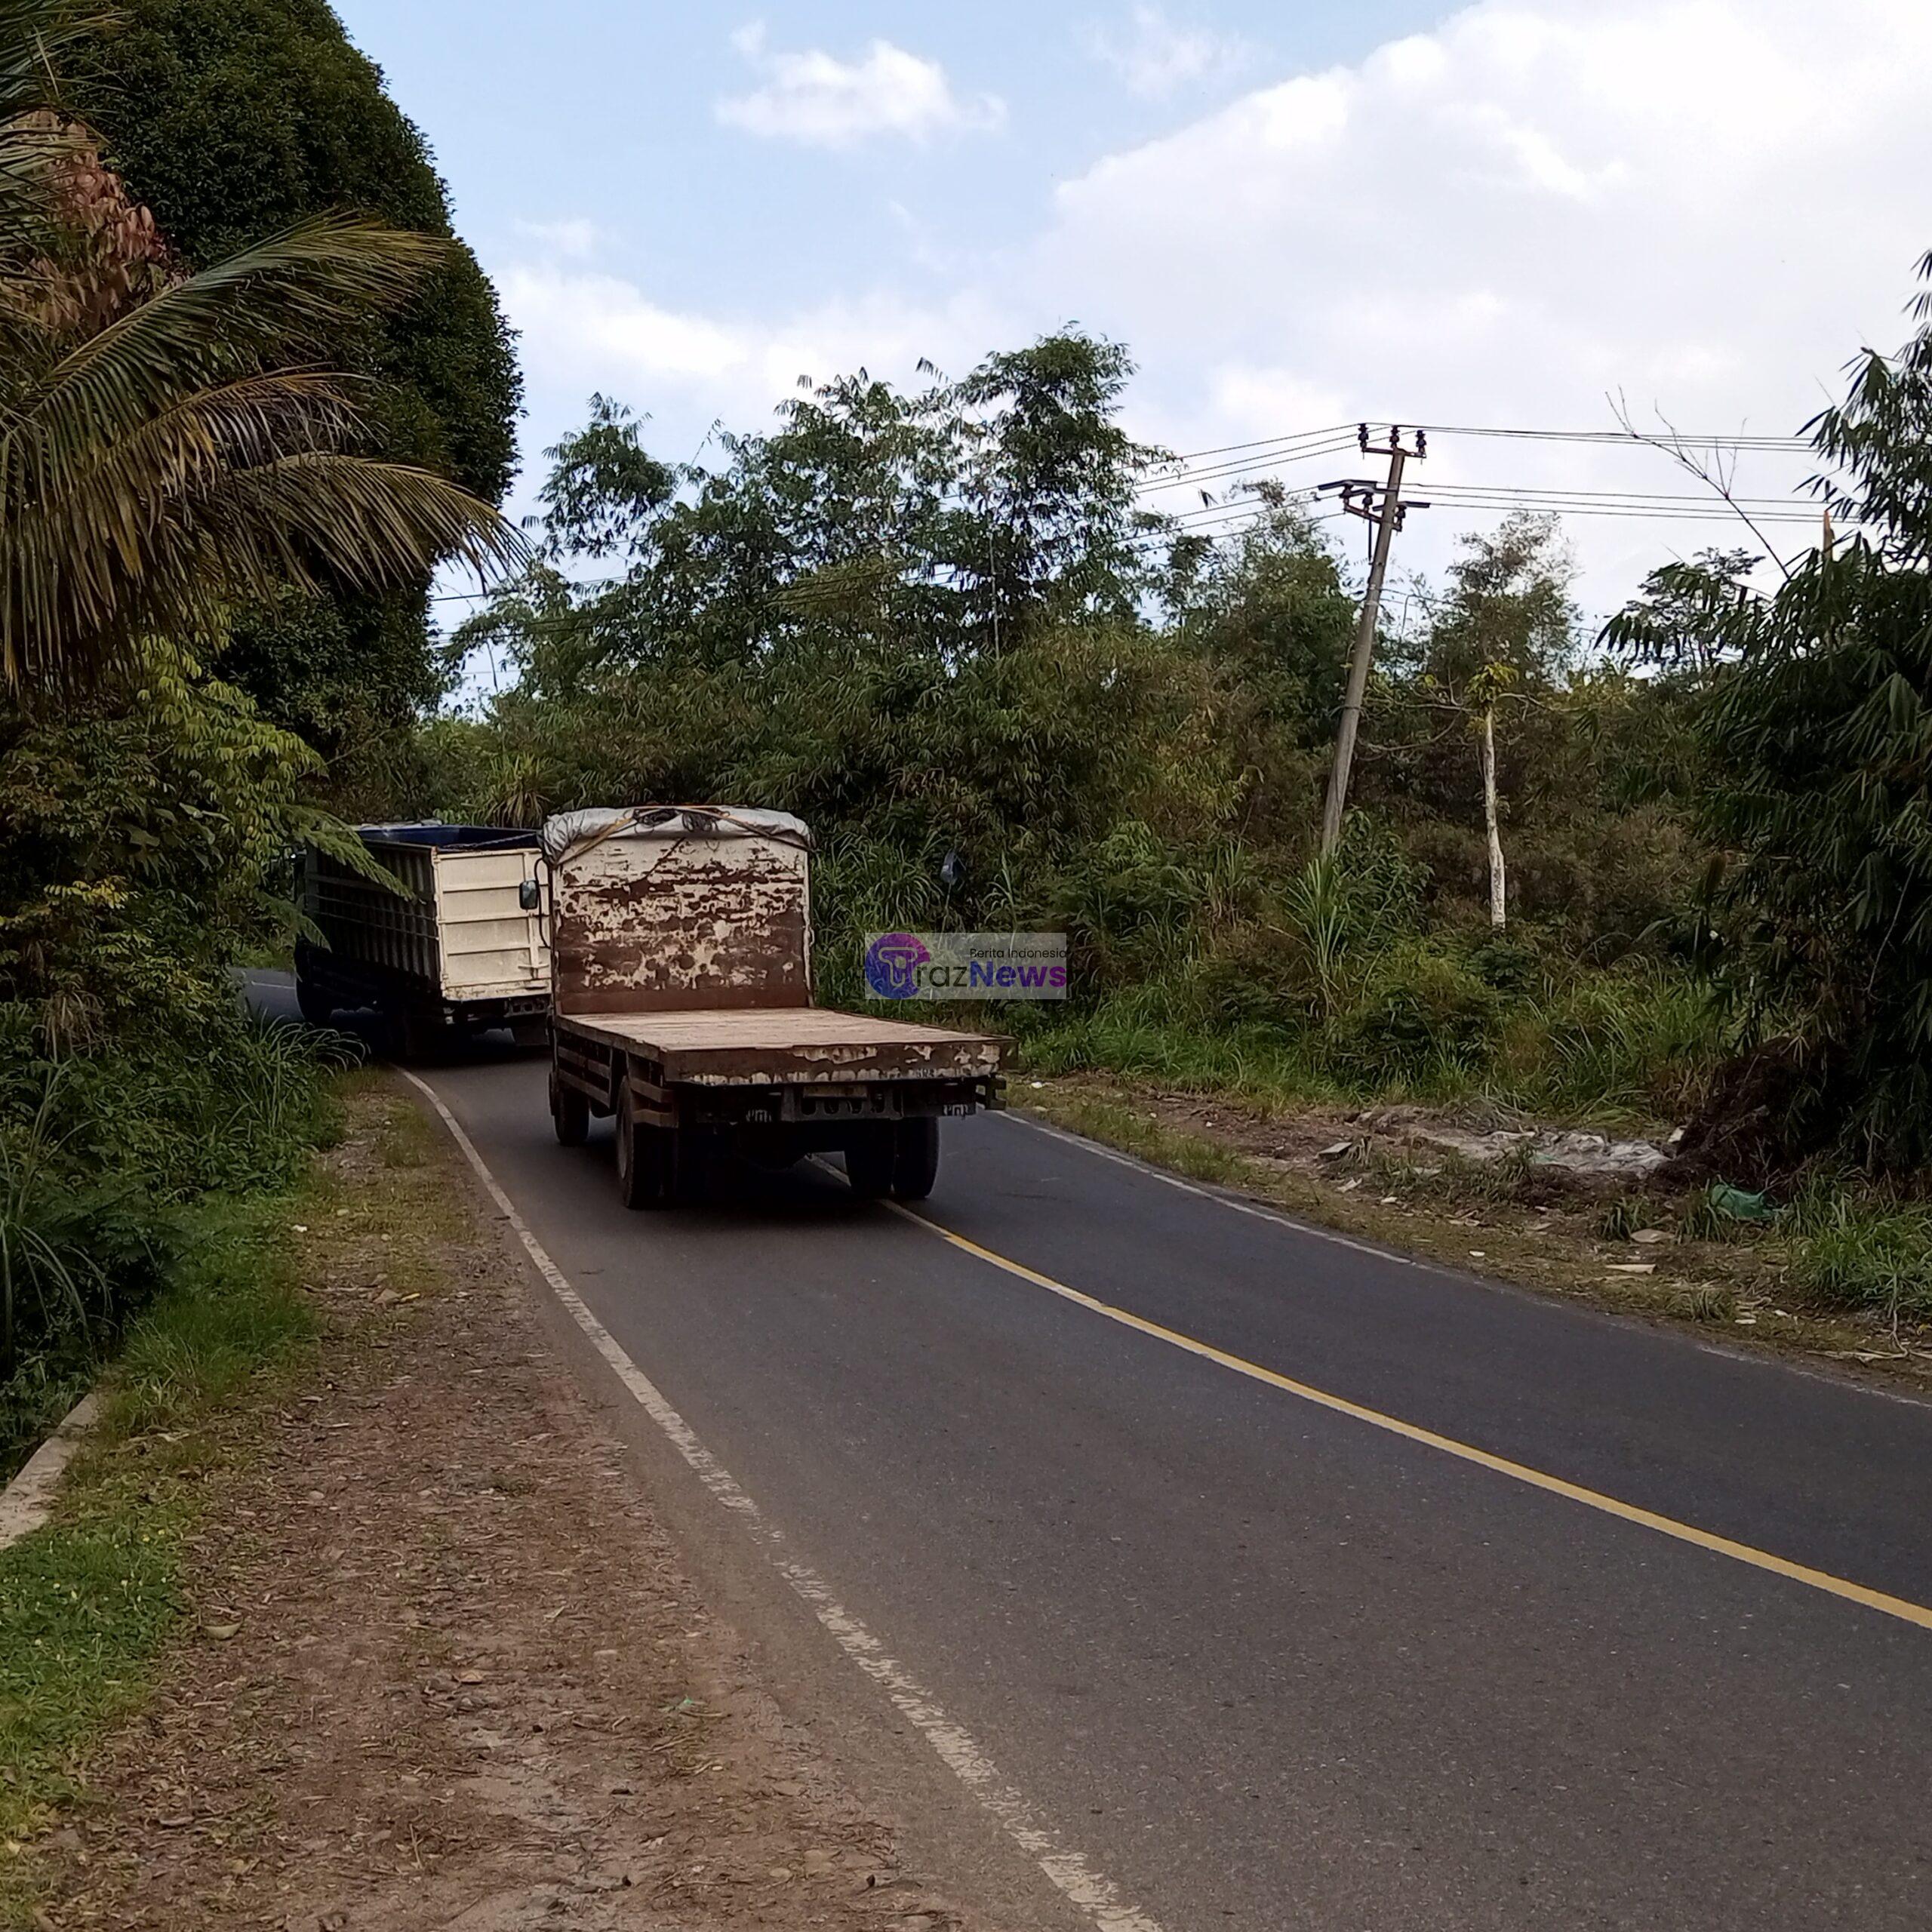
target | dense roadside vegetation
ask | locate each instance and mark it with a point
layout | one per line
(943, 623)
(181, 447)
(239, 427)
(947, 623)
(234, 119)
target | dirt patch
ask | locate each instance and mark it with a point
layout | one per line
(445, 1672)
(1568, 1162)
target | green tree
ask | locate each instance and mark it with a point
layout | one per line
(815, 623)
(1052, 523)
(169, 444)
(1818, 732)
(233, 119)
(955, 519)
(1272, 612)
(1679, 622)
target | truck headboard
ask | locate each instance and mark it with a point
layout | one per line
(677, 908)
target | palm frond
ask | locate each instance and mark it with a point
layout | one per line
(174, 560)
(80, 554)
(36, 39)
(327, 515)
(282, 299)
(171, 445)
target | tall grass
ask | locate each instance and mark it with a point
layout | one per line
(1418, 1024)
(104, 1158)
(75, 1246)
(1862, 1251)
(1637, 1043)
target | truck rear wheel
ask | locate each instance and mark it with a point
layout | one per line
(871, 1156)
(915, 1158)
(570, 1112)
(411, 1034)
(314, 1005)
(650, 1159)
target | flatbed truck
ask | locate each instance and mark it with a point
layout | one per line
(679, 946)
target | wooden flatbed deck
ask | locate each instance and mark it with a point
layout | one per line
(759, 1046)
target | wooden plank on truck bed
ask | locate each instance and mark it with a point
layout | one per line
(737, 1046)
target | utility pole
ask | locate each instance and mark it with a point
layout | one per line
(1359, 498)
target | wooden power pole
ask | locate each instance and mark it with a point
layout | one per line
(1381, 505)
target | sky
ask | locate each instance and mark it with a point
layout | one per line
(1515, 214)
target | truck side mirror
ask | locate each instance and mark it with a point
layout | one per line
(529, 896)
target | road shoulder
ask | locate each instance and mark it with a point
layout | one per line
(1322, 1166)
(434, 1659)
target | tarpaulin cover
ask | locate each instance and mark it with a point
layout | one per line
(565, 831)
(433, 832)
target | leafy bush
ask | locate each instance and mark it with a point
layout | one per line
(104, 1157)
(76, 1250)
(1862, 1254)
(1423, 1021)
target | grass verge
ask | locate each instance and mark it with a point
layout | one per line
(89, 1603)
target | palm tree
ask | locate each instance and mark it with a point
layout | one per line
(174, 444)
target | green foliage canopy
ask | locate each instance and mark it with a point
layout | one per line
(233, 119)
(1815, 725)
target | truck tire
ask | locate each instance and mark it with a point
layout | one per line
(314, 1005)
(650, 1159)
(570, 1112)
(915, 1158)
(871, 1155)
(411, 1036)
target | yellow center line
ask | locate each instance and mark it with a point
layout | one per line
(1591, 1499)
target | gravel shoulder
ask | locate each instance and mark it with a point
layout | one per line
(440, 1666)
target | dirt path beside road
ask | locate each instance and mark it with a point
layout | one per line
(443, 1669)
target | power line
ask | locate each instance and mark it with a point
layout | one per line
(1278, 453)
(1347, 429)
(1587, 495)
(1254, 502)
(1698, 440)
(1642, 440)
(1183, 479)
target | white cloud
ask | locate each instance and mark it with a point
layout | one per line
(1540, 203)
(1155, 58)
(815, 98)
(582, 331)
(575, 238)
(1707, 205)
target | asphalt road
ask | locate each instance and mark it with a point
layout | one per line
(1264, 1663)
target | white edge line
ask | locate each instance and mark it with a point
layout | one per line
(1227, 1200)
(1222, 1197)
(1069, 1870)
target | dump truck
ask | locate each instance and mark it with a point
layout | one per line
(681, 974)
(461, 949)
